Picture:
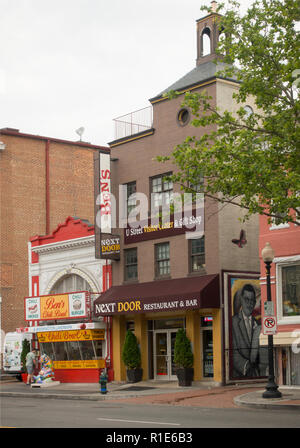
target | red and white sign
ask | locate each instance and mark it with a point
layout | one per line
(56, 306)
(105, 192)
(269, 325)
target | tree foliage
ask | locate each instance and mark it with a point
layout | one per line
(131, 354)
(250, 160)
(183, 355)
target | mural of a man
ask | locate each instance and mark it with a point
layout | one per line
(249, 359)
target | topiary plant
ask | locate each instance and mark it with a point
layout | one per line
(25, 350)
(183, 355)
(131, 355)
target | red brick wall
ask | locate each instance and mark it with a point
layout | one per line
(23, 206)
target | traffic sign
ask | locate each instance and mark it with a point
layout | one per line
(269, 325)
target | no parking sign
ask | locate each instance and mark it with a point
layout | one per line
(269, 325)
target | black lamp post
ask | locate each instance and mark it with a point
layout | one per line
(271, 388)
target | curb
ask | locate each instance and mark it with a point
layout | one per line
(56, 396)
(264, 403)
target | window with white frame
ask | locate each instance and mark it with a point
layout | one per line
(161, 190)
(288, 291)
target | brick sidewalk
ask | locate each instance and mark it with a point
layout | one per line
(212, 398)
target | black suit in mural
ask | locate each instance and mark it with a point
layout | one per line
(249, 359)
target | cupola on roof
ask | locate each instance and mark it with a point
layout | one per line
(208, 62)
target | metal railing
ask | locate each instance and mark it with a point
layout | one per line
(133, 123)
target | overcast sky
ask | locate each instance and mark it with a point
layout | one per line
(71, 63)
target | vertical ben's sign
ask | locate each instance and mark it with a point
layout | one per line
(103, 206)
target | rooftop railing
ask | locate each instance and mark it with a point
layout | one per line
(133, 123)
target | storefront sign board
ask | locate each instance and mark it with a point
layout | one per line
(88, 364)
(56, 306)
(73, 335)
(110, 247)
(176, 225)
(144, 306)
(102, 198)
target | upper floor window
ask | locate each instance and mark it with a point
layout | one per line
(197, 254)
(276, 223)
(131, 264)
(161, 190)
(162, 259)
(70, 283)
(131, 199)
(288, 291)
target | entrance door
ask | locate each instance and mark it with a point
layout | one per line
(208, 357)
(164, 343)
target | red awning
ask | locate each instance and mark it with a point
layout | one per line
(160, 296)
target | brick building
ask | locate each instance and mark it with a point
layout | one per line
(165, 281)
(285, 293)
(43, 180)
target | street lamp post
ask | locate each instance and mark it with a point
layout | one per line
(271, 388)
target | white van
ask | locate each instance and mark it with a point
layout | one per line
(13, 343)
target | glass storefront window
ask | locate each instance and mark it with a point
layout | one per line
(87, 350)
(73, 350)
(98, 345)
(47, 349)
(60, 351)
(208, 363)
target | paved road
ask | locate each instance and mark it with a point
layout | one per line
(53, 413)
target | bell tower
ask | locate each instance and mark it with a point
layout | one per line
(208, 35)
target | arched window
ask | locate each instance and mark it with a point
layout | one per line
(248, 110)
(70, 283)
(205, 42)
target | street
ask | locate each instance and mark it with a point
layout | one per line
(53, 413)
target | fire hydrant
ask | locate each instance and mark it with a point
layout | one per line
(103, 382)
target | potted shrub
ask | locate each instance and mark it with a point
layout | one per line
(131, 356)
(25, 350)
(183, 359)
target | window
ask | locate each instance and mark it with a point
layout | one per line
(205, 42)
(196, 187)
(183, 117)
(288, 291)
(162, 259)
(70, 283)
(291, 290)
(248, 110)
(197, 257)
(276, 223)
(131, 267)
(131, 200)
(161, 190)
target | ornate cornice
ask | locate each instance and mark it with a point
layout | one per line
(88, 241)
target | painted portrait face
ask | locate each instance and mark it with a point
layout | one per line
(248, 302)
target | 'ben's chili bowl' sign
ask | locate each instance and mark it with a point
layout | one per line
(139, 306)
(55, 306)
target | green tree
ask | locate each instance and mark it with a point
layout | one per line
(131, 354)
(183, 355)
(250, 160)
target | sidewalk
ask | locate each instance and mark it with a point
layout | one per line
(162, 393)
